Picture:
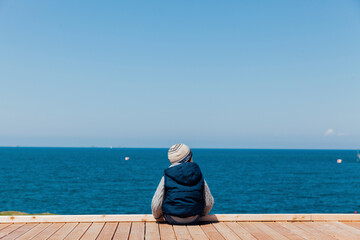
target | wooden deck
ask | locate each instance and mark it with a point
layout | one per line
(242, 226)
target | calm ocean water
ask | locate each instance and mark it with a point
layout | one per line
(100, 181)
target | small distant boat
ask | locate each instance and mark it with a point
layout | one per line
(339, 160)
(358, 154)
(127, 158)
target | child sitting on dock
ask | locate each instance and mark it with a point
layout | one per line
(182, 195)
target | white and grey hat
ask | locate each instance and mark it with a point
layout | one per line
(179, 152)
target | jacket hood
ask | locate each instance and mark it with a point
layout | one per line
(187, 173)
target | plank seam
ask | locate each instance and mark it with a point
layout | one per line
(55, 231)
(131, 225)
(100, 231)
(27, 230)
(218, 231)
(144, 230)
(43, 230)
(71, 231)
(8, 224)
(86, 230)
(117, 225)
(158, 227)
(12, 230)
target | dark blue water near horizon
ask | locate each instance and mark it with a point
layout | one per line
(100, 181)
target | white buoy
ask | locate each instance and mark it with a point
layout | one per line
(127, 158)
(339, 160)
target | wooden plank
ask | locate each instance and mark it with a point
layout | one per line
(181, 232)
(346, 227)
(225, 231)
(93, 231)
(313, 231)
(108, 231)
(353, 224)
(34, 231)
(298, 231)
(211, 232)
(284, 231)
(269, 231)
(10, 229)
(122, 231)
(256, 217)
(196, 232)
(241, 232)
(20, 231)
(4, 225)
(333, 231)
(328, 229)
(137, 231)
(166, 231)
(63, 231)
(78, 231)
(335, 217)
(253, 230)
(152, 231)
(208, 218)
(77, 218)
(48, 231)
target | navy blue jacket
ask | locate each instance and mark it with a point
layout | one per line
(184, 189)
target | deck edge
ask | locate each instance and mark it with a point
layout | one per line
(208, 218)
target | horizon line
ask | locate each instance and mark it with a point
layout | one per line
(219, 148)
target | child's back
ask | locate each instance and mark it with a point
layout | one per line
(184, 186)
(182, 195)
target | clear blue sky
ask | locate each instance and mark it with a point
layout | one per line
(234, 74)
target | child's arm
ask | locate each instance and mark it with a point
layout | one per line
(158, 199)
(209, 200)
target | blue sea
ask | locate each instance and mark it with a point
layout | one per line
(100, 181)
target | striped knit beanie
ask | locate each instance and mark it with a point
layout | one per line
(179, 153)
